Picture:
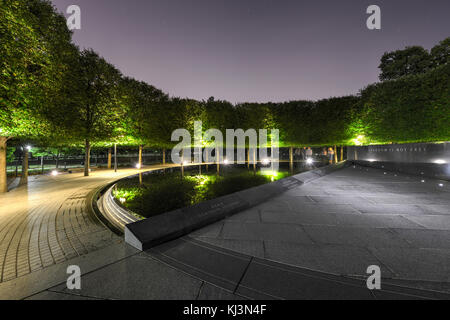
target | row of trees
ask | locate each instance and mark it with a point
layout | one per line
(55, 95)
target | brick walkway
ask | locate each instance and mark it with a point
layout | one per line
(47, 222)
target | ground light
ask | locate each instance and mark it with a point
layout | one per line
(272, 174)
(54, 173)
(309, 161)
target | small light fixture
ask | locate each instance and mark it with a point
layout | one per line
(422, 181)
(310, 161)
(440, 161)
(441, 184)
(185, 163)
(54, 173)
(226, 161)
(28, 148)
(122, 200)
(138, 165)
(265, 161)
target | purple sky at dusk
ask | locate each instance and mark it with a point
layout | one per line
(254, 50)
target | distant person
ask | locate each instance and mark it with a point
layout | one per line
(303, 153)
(330, 155)
(308, 153)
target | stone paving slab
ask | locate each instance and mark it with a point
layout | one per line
(265, 231)
(416, 264)
(139, 277)
(55, 274)
(51, 295)
(345, 221)
(343, 260)
(219, 267)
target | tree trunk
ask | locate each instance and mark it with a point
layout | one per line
(254, 160)
(182, 163)
(218, 163)
(17, 166)
(109, 158)
(335, 154)
(291, 159)
(24, 175)
(248, 158)
(57, 161)
(342, 153)
(42, 164)
(164, 157)
(87, 158)
(3, 175)
(140, 157)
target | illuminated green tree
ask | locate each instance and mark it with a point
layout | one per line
(34, 39)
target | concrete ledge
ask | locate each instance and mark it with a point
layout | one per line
(152, 231)
(429, 170)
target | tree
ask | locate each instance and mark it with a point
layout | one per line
(440, 54)
(411, 60)
(91, 111)
(140, 101)
(414, 108)
(34, 38)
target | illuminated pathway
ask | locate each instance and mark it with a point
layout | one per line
(47, 222)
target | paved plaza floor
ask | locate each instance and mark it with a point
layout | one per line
(314, 241)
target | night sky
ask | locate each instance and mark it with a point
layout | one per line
(255, 50)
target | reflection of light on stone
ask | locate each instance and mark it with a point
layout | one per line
(440, 161)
